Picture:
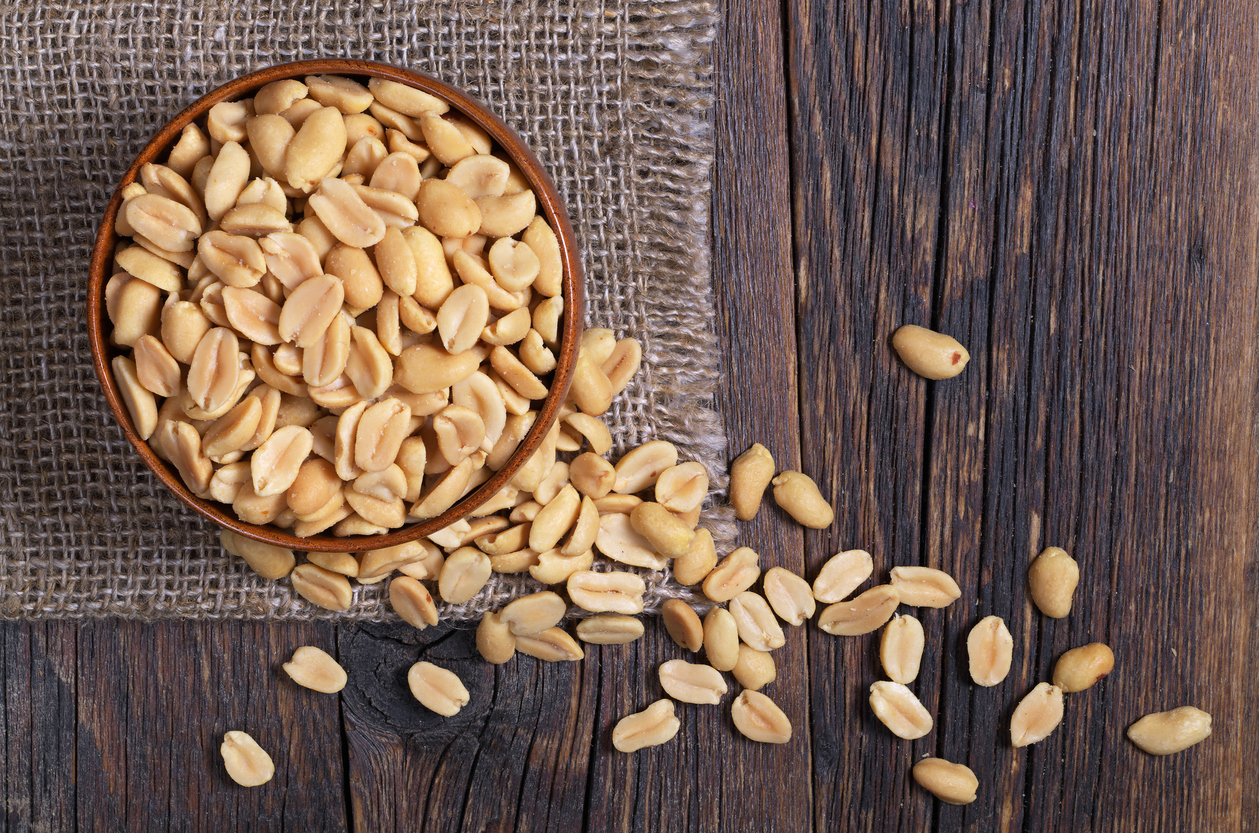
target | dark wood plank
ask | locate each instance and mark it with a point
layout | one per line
(1068, 189)
(36, 726)
(762, 787)
(514, 758)
(154, 703)
(868, 84)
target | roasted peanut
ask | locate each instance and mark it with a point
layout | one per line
(900, 649)
(1081, 668)
(899, 710)
(701, 684)
(949, 782)
(1036, 715)
(789, 595)
(750, 475)
(1052, 579)
(668, 535)
(315, 669)
(737, 572)
(758, 718)
(928, 353)
(683, 624)
(756, 623)
(925, 587)
(1166, 733)
(754, 669)
(991, 650)
(246, 762)
(611, 592)
(841, 575)
(438, 689)
(721, 639)
(653, 726)
(800, 497)
(867, 612)
(609, 629)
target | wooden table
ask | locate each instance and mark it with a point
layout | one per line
(1071, 190)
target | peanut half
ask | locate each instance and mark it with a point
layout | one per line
(1052, 579)
(789, 595)
(652, 726)
(690, 683)
(928, 353)
(1036, 715)
(756, 622)
(1081, 668)
(899, 710)
(750, 474)
(247, 763)
(900, 649)
(925, 587)
(1166, 733)
(951, 783)
(313, 668)
(841, 575)
(990, 648)
(799, 495)
(758, 718)
(438, 689)
(864, 614)
(609, 629)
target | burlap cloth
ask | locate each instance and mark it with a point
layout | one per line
(615, 98)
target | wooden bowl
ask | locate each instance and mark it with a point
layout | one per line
(552, 209)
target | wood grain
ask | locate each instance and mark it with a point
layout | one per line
(1067, 187)
(1068, 190)
(154, 702)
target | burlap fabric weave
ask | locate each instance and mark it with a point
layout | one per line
(613, 96)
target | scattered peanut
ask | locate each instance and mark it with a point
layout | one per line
(1081, 668)
(900, 649)
(1036, 715)
(750, 475)
(683, 624)
(754, 669)
(990, 648)
(1166, 733)
(841, 575)
(653, 726)
(951, 783)
(899, 710)
(867, 612)
(758, 718)
(314, 669)
(438, 689)
(928, 353)
(1052, 579)
(799, 495)
(690, 683)
(246, 762)
(925, 587)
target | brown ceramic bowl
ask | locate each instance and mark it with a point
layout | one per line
(550, 207)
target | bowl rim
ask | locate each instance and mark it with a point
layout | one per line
(552, 208)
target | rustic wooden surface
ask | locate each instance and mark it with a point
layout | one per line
(1068, 187)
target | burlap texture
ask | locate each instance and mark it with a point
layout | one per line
(614, 97)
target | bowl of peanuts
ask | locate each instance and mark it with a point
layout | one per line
(336, 306)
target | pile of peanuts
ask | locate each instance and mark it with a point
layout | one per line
(341, 308)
